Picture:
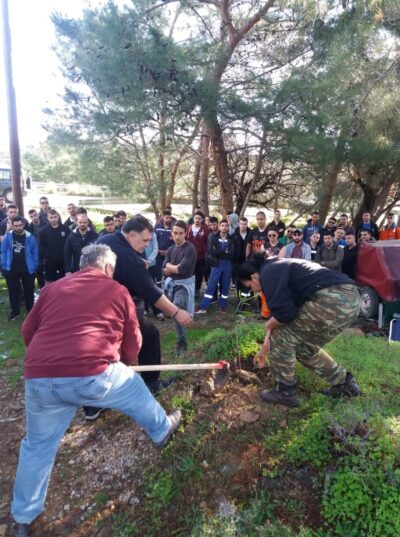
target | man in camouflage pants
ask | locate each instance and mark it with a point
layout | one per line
(310, 305)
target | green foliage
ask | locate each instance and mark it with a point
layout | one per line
(228, 345)
(101, 498)
(121, 527)
(311, 443)
(363, 494)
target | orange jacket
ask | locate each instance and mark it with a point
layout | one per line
(391, 233)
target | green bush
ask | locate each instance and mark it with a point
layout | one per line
(311, 444)
(242, 341)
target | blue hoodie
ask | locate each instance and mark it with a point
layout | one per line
(31, 252)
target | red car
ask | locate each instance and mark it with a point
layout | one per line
(378, 275)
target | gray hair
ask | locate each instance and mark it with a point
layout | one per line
(98, 256)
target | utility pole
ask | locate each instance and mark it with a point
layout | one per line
(12, 114)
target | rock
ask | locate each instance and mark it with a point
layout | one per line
(66, 507)
(247, 377)
(248, 416)
(207, 387)
(203, 505)
(283, 423)
(3, 530)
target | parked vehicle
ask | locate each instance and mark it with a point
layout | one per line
(378, 275)
(6, 184)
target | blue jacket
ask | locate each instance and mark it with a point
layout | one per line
(31, 252)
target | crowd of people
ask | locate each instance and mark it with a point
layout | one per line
(47, 249)
(85, 330)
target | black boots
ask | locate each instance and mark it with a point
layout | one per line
(350, 388)
(283, 394)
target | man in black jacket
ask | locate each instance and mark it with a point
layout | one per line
(310, 305)
(80, 237)
(241, 236)
(52, 239)
(367, 225)
(131, 272)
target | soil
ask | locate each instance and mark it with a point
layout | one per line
(100, 466)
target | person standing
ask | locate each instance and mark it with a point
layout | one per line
(313, 226)
(310, 305)
(131, 272)
(241, 236)
(179, 284)
(34, 227)
(70, 222)
(3, 208)
(80, 237)
(197, 234)
(389, 231)
(52, 239)
(278, 224)
(44, 210)
(330, 255)
(221, 252)
(350, 256)
(109, 226)
(19, 261)
(7, 224)
(258, 237)
(77, 359)
(297, 249)
(367, 225)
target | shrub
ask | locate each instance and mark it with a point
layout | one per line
(242, 341)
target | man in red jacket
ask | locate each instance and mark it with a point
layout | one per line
(81, 335)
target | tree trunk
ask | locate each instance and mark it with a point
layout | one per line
(204, 170)
(221, 166)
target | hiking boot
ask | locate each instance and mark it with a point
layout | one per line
(282, 394)
(181, 347)
(200, 311)
(350, 388)
(175, 419)
(20, 530)
(13, 316)
(92, 413)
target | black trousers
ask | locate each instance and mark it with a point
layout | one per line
(54, 269)
(14, 281)
(199, 273)
(150, 353)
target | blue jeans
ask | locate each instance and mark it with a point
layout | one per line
(222, 275)
(50, 405)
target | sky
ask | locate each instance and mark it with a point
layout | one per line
(37, 79)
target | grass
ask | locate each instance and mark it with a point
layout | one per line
(330, 468)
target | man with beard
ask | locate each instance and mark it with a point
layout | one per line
(19, 261)
(80, 237)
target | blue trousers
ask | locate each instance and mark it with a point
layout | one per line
(222, 275)
(50, 405)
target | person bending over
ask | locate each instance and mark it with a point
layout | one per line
(310, 305)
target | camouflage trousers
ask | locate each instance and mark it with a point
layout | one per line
(323, 317)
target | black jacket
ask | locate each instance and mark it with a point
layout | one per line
(374, 231)
(73, 248)
(52, 242)
(240, 245)
(131, 271)
(288, 283)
